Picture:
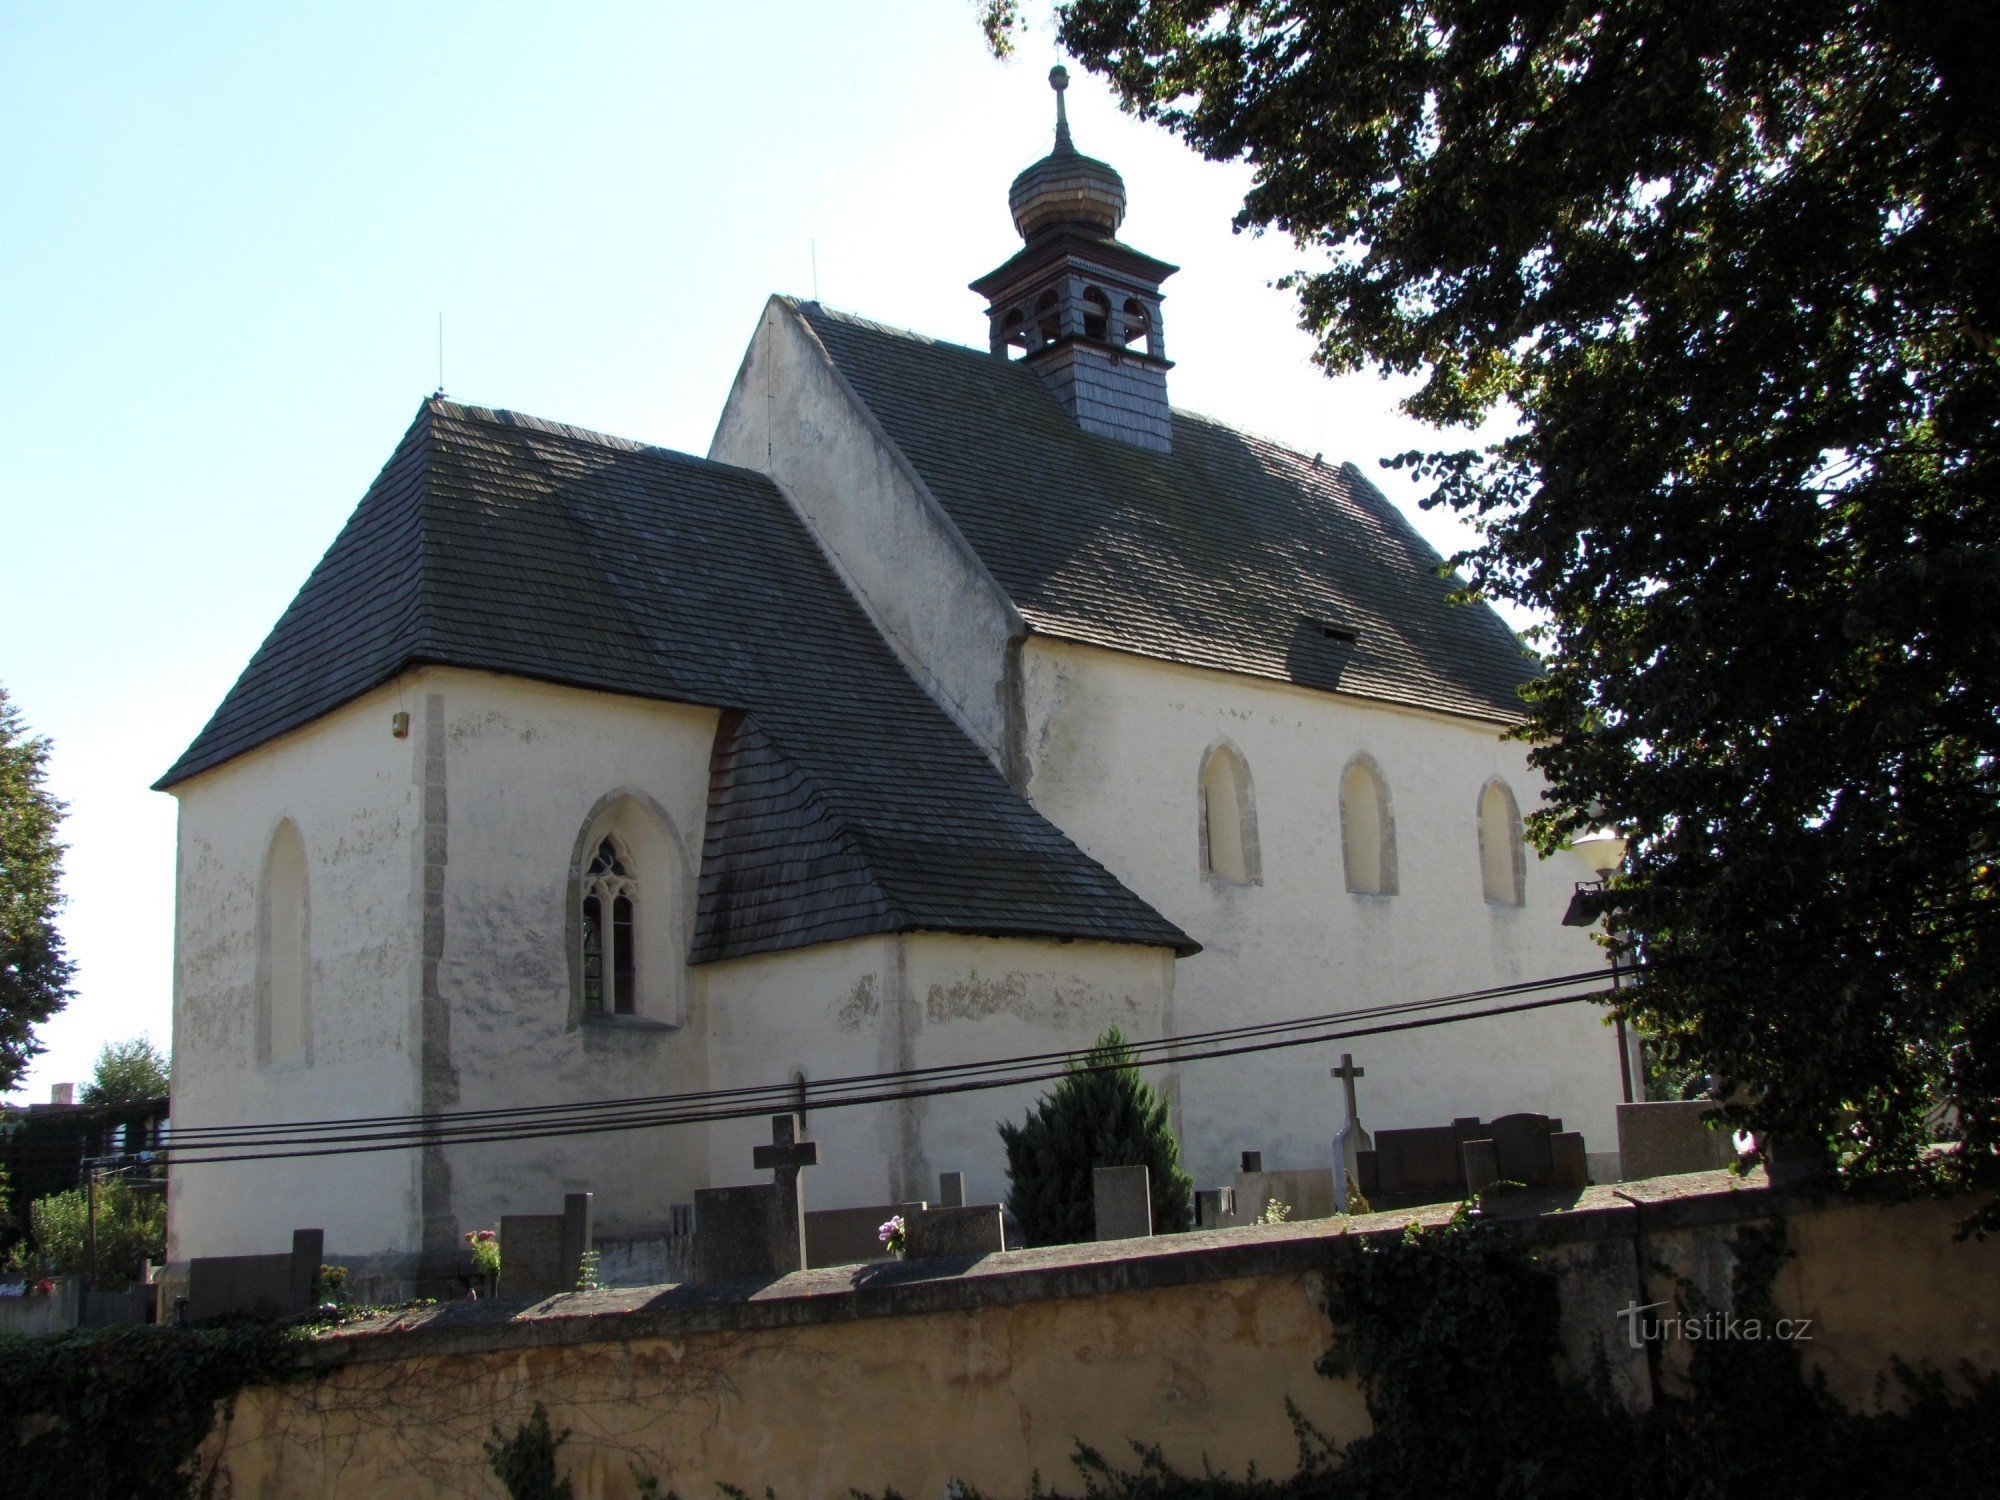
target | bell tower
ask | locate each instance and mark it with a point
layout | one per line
(1077, 306)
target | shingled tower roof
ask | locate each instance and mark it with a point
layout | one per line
(843, 802)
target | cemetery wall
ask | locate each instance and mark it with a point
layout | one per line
(911, 1375)
(1114, 746)
(353, 792)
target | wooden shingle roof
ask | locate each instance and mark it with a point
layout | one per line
(843, 801)
(1230, 552)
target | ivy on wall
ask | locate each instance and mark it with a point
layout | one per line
(119, 1413)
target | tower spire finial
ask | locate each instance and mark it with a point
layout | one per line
(1059, 80)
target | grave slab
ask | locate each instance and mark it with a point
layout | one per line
(974, 1230)
(735, 1232)
(851, 1236)
(1666, 1137)
(272, 1285)
(542, 1254)
(1124, 1202)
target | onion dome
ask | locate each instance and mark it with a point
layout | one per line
(1067, 187)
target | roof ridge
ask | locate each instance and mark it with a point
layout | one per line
(917, 336)
(501, 416)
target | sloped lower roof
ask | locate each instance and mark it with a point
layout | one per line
(844, 802)
(1230, 552)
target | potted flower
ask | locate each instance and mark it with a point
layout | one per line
(485, 1247)
(892, 1236)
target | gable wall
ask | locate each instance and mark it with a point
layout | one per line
(1114, 748)
(792, 416)
(353, 792)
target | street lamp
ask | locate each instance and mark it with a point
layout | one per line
(1603, 850)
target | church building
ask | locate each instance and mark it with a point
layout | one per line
(962, 702)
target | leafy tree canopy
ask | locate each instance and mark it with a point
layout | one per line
(1102, 1115)
(1735, 270)
(34, 973)
(128, 1073)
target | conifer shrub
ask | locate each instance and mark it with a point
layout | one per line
(1102, 1115)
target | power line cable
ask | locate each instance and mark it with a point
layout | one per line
(1147, 1052)
(710, 1115)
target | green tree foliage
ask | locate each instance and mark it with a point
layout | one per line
(1735, 269)
(1102, 1115)
(128, 1073)
(131, 1229)
(34, 974)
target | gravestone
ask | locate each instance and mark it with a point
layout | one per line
(975, 1230)
(951, 1190)
(1214, 1208)
(1667, 1137)
(786, 1154)
(1306, 1192)
(759, 1230)
(273, 1285)
(1352, 1139)
(1531, 1150)
(1408, 1167)
(736, 1232)
(1124, 1202)
(852, 1236)
(542, 1254)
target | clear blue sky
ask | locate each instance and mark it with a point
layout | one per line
(227, 231)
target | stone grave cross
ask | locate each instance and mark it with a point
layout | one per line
(783, 1157)
(1352, 1140)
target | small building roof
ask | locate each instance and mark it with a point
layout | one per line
(843, 801)
(1230, 552)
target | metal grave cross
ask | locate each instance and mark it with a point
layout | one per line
(783, 1157)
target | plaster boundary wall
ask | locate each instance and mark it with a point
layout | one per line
(1599, 1215)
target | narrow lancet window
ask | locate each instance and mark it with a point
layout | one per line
(1367, 830)
(1502, 857)
(284, 956)
(1228, 818)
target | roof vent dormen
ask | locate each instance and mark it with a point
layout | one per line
(1081, 308)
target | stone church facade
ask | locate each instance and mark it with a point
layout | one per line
(960, 703)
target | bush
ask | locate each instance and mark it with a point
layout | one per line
(1102, 1115)
(131, 1229)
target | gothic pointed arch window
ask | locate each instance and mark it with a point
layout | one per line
(1229, 850)
(284, 953)
(1502, 852)
(630, 914)
(1367, 829)
(610, 932)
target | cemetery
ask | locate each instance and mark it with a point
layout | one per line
(765, 1230)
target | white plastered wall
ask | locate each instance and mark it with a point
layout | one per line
(529, 767)
(351, 789)
(1114, 747)
(793, 416)
(918, 1000)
